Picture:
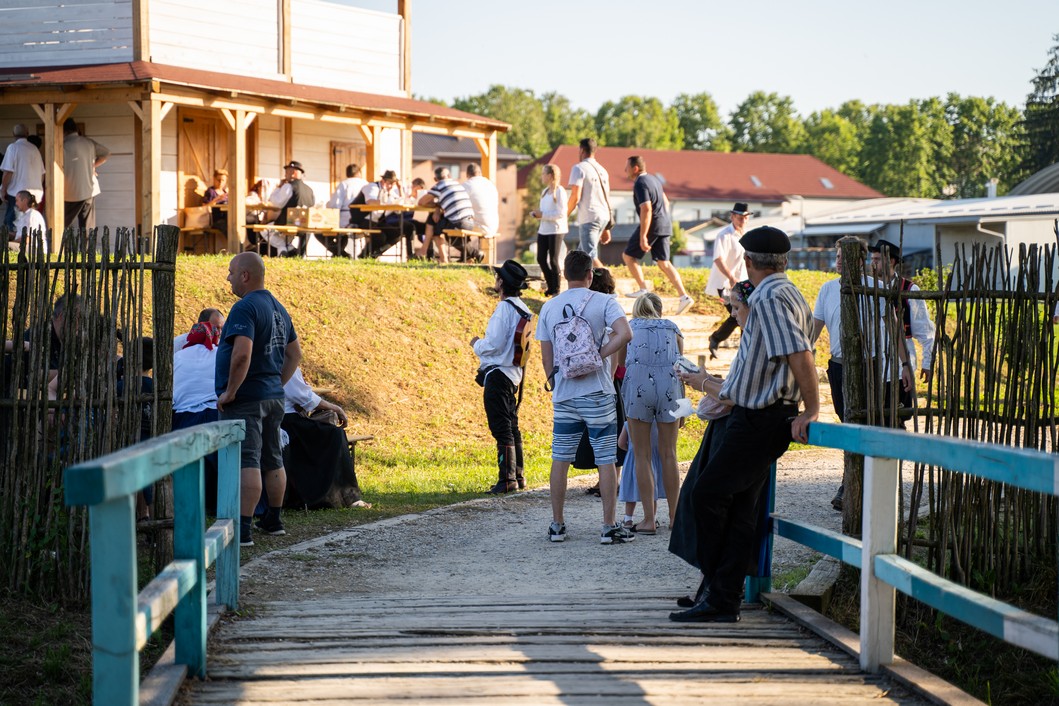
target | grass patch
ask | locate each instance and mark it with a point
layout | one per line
(785, 581)
(45, 654)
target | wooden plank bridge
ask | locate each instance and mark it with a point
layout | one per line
(616, 648)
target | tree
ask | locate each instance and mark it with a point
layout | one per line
(564, 124)
(639, 121)
(907, 150)
(766, 122)
(517, 106)
(833, 139)
(986, 144)
(701, 122)
(1041, 117)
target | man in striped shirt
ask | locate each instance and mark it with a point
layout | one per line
(454, 210)
(773, 371)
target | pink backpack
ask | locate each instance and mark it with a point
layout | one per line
(574, 345)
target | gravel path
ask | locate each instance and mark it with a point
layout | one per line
(498, 545)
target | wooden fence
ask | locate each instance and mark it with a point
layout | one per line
(122, 618)
(67, 319)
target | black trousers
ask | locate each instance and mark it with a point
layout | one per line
(834, 379)
(501, 411)
(727, 326)
(726, 494)
(548, 258)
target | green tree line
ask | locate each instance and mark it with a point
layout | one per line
(939, 147)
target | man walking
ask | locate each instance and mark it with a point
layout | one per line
(590, 196)
(656, 228)
(23, 170)
(728, 268)
(772, 372)
(81, 157)
(584, 401)
(501, 372)
(257, 355)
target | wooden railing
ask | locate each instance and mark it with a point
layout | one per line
(883, 572)
(122, 618)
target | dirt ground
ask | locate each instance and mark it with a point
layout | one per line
(498, 545)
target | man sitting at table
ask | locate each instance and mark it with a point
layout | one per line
(293, 192)
(484, 199)
(453, 211)
(386, 190)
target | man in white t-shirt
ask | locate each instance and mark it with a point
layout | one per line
(728, 268)
(484, 199)
(590, 196)
(23, 170)
(347, 190)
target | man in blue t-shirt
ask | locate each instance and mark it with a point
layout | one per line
(257, 355)
(656, 227)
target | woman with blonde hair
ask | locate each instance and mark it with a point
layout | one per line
(650, 392)
(552, 213)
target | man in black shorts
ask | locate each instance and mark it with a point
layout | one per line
(257, 355)
(656, 227)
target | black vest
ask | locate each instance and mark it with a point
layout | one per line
(301, 195)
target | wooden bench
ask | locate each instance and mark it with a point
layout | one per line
(353, 440)
(202, 241)
(487, 243)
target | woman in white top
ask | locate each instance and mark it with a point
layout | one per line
(552, 213)
(30, 220)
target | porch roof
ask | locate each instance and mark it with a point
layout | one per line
(16, 82)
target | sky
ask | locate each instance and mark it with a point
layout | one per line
(818, 53)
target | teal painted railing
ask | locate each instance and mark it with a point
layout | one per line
(883, 572)
(122, 619)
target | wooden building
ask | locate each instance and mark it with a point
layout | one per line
(178, 88)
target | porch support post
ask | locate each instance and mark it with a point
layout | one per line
(151, 176)
(237, 181)
(487, 148)
(54, 176)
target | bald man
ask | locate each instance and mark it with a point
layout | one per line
(258, 354)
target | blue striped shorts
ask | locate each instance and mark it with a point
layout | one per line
(597, 413)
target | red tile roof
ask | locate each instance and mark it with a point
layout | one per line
(722, 176)
(142, 72)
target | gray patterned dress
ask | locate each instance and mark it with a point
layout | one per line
(651, 388)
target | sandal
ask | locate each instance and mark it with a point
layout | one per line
(646, 531)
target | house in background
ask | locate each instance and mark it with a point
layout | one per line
(704, 185)
(431, 151)
(178, 88)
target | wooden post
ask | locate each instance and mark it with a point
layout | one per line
(141, 30)
(371, 134)
(151, 185)
(115, 657)
(285, 40)
(237, 180)
(877, 599)
(855, 370)
(54, 176)
(228, 480)
(190, 619)
(404, 9)
(487, 148)
(163, 295)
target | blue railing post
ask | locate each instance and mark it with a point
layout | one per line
(188, 526)
(115, 655)
(761, 581)
(228, 482)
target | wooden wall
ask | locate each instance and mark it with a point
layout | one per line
(65, 32)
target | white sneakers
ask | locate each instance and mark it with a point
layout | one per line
(685, 302)
(637, 293)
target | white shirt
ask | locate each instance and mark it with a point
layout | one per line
(345, 193)
(297, 392)
(497, 347)
(24, 162)
(922, 330)
(592, 203)
(79, 166)
(727, 249)
(374, 192)
(193, 374)
(553, 212)
(828, 308)
(281, 195)
(31, 221)
(486, 203)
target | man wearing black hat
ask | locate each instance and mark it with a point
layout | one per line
(293, 192)
(912, 313)
(728, 268)
(772, 372)
(500, 374)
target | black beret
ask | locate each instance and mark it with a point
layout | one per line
(766, 240)
(895, 252)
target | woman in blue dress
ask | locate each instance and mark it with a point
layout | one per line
(650, 392)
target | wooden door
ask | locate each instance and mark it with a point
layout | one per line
(344, 154)
(202, 146)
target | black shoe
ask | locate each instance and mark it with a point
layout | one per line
(271, 524)
(836, 502)
(690, 601)
(703, 612)
(503, 486)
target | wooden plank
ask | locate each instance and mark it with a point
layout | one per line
(115, 656)
(834, 544)
(1023, 468)
(878, 599)
(228, 484)
(124, 472)
(161, 685)
(220, 534)
(997, 618)
(160, 597)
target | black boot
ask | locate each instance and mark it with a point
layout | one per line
(520, 479)
(505, 461)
